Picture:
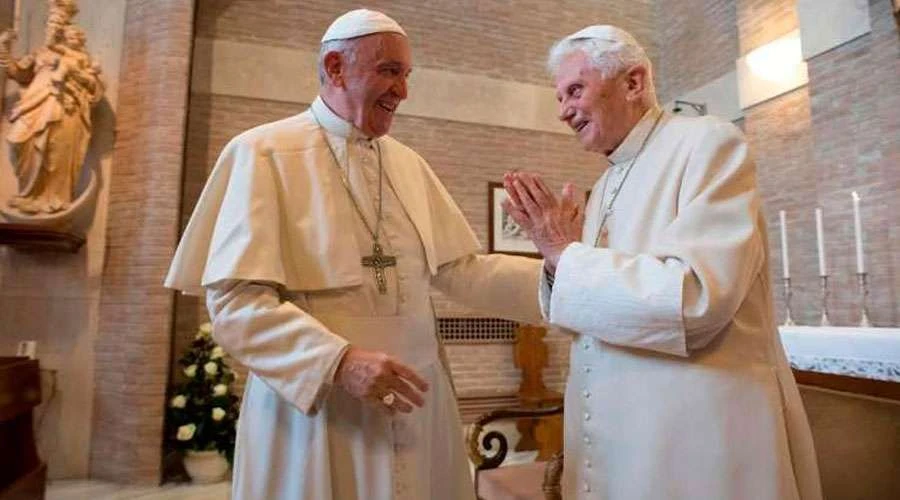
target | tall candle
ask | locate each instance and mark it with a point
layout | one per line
(785, 263)
(820, 239)
(860, 263)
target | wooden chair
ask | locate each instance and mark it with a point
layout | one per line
(530, 355)
(539, 480)
(539, 423)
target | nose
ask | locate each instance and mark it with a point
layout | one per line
(565, 111)
(400, 87)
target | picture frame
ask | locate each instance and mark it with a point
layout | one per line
(504, 235)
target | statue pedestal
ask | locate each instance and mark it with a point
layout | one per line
(31, 238)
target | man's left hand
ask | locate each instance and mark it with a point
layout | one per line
(551, 223)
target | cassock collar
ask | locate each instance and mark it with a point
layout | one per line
(632, 143)
(336, 125)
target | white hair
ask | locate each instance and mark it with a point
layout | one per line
(347, 49)
(609, 49)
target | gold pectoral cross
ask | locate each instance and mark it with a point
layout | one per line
(379, 261)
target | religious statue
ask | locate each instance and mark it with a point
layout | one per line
(50, 125)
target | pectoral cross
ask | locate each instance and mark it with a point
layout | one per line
(379, 261)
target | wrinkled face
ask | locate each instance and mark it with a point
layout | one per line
(596, 108)
(375, 81)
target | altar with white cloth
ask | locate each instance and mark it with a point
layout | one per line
(868, 353)
(849, 379)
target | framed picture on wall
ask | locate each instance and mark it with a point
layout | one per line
(504, 235)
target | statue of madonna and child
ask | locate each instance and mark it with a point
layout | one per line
(50, 123)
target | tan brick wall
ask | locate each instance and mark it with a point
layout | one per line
(134, 339)
(761, 21)
(699, 44)
(502, 39)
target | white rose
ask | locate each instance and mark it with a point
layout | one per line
(178, 401)
(204, 331)
(218, 414)
(220, 390)
(191, 371)
(186, 432)
(211, 368)
(216, 353)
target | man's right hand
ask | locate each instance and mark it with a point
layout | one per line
(372, 375)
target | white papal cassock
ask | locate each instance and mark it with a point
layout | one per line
(678, 386)
(276, 244)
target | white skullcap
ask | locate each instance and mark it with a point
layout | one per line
(360, 22)
(606, 33)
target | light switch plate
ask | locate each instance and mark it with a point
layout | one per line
(27, 349)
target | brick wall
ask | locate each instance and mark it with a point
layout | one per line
(699, 41)
(133, 343)
(761, 21)
(502, 39)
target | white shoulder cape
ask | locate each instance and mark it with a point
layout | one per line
(274, 209)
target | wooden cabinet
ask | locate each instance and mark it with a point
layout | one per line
(22, 474)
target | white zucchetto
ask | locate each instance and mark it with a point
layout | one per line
(606, 33)
(361, 22)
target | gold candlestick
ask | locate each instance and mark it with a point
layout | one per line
(863, 299)
(788, 318)
(824, 321)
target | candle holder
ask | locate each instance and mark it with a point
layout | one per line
(863, 299)
(788, 317)
(824, 321)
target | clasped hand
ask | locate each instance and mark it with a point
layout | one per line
(551, 223)
(372, 375)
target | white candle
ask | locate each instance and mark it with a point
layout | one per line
(785, 263)
(860, 264)
(820, 239)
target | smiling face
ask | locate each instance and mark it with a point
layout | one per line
(601, 111)
(367, 88)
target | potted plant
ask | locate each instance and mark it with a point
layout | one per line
(202, 411)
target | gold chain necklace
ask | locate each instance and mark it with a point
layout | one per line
(615, 192)
(378, 261)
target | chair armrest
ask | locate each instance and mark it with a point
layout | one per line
(483, 461)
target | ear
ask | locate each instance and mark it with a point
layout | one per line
(636, 82)
(333, 63)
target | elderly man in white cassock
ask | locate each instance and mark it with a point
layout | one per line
(316, 241)
(678, 386)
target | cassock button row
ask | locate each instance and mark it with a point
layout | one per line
(587, 464)
(586, 394)
(587, 439)
(587, 416)
(587, 369)
(587, 346)
(587, 487)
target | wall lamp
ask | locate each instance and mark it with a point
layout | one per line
(700, 108)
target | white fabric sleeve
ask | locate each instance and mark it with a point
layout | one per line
(291, 351)
(545, 288)
(498, 285)
(682, 292)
